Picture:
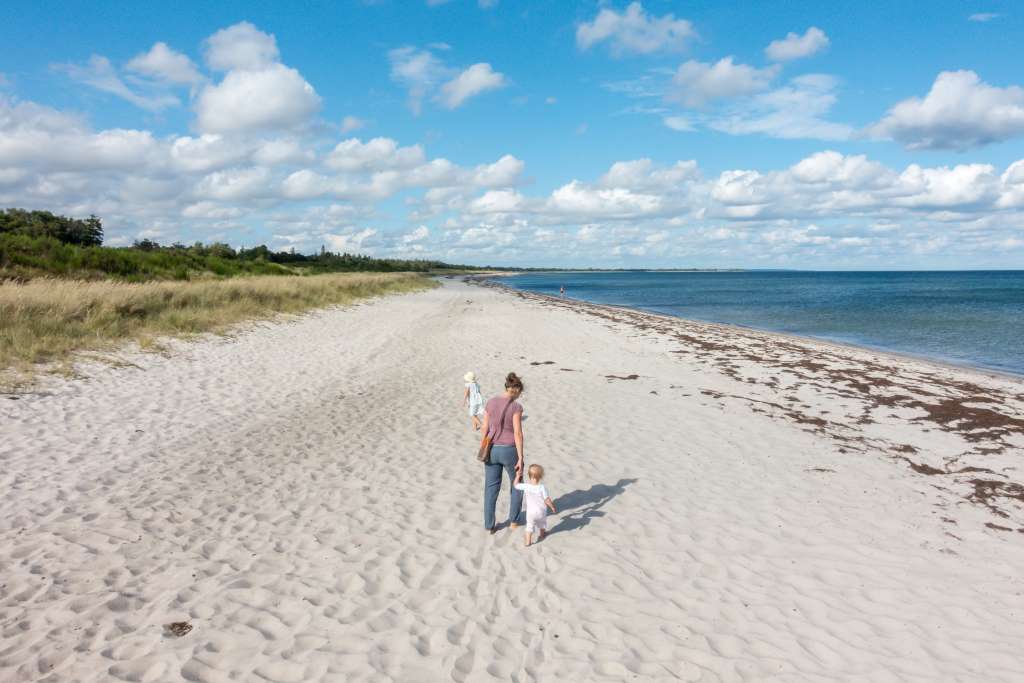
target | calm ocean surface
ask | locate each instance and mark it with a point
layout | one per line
(968, 318)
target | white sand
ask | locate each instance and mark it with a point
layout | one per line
(305, 496)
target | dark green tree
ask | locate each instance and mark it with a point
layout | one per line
(82, 232)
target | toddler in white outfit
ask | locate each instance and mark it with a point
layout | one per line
(538, 502)
(474, 399)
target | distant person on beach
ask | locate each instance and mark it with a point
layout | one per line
(561, 291)
(538, 502)
(472, 398)
(503, 421)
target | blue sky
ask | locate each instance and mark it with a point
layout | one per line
(797, 134)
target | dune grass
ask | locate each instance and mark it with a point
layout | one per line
(44, 322)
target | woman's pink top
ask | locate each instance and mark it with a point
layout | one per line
(503, 434)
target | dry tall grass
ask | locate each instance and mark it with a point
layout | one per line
(47, 320)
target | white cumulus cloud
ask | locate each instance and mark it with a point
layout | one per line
(377, 154)
(502, 173)
(37, 137)
(832, 168)
(497, 201)
(207, 152)
(424, 75)
(959, 112)
(1012, 182)
(698, 83)
(472, 81)
(257, 92)
(273, 97)
(643, 174)
(576, 198)
(962, 186)
(234, 184)
(282, 151)
(635, 31)
(242, 46)
(795, 46)
(165, 64)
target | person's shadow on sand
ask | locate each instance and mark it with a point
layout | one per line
(579, 508)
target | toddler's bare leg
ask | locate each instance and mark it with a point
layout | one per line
(542, 534)
(529, 539)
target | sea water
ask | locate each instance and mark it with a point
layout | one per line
(971, 318)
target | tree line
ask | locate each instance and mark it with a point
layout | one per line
(34, 243)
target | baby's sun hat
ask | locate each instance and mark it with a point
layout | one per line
(469, 376)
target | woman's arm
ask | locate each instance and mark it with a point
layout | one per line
(483, 427)
(517, 427)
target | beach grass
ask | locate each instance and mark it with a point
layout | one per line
(44, 322)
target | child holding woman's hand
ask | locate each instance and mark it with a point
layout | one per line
(538, 502)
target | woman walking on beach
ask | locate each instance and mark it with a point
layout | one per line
(503, 421)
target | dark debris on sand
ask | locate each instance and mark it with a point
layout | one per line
(177, 629)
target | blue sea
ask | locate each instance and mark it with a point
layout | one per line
(973, 318)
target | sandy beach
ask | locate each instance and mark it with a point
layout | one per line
(303, 499)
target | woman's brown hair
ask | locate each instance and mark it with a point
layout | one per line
(512, 381)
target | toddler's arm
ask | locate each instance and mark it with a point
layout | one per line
(465, 396)
(547, 498)
(520, 485)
